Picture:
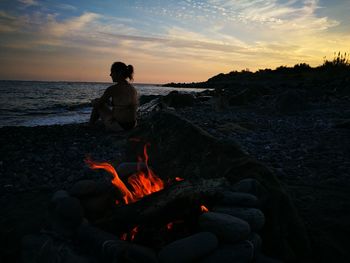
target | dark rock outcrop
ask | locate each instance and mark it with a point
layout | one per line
(176, 99)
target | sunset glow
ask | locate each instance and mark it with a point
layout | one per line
(179, 41)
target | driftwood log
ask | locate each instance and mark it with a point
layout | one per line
(177, 201)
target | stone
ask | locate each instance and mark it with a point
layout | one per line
(98, 205)
(136, 253)
(66, 215)
(229, 128)
(345, 124)
(58, 195)
(189, 249)
(254, 217)
(238, 199)
(251, 186)
(264, 259)
(241, 252)
(83, 188)
(178, 100)
(244, 97)
(226, 227)
(31, 246)
(290, 101)
(256, 241)
(95, 197)
(147, 98)
(43, 248)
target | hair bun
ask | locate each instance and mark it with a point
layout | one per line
(130, 70)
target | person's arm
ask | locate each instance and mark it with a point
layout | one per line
(105, 97)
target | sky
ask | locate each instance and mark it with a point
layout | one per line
(166, 40)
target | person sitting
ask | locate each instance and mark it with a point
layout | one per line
(117, 107)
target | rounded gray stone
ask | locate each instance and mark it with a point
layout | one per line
(136, 253)
(189, 249)
(239, 199)
(264, 259)
(66, 215)
(253, 216)
(84, 188)
(251, 186)
(241, 252)
(256, 241)
(226, 227)
(58, 195)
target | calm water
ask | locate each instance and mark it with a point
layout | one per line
(32, 103)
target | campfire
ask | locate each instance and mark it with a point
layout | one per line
(142, 217)
(141, 183)
(203, 204)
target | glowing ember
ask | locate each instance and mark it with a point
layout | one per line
(170, 225)
(133, 233)
(204, 209)
(179, 179)
(142, 183)
(124, 236)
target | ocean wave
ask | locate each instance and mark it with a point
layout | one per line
(65, 107)
(46, 110)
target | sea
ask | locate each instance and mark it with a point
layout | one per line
(36, 103)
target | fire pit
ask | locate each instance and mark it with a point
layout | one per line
(186, 212)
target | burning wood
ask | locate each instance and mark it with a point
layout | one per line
(142, 183)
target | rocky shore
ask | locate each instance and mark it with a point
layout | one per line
(307, 149)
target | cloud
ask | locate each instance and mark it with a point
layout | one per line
(28, 2)
(9, 23)
(69, 26)
(66, 7)
(198, 38)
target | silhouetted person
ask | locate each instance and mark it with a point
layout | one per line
(118, 105)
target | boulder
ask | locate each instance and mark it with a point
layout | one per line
(238, 199)
(66, 214)
(136, 253)
(96, 198)
(189, 249)
(43, 248)
(176, 99)
(226, 227)
(241, 252)
(254, 217)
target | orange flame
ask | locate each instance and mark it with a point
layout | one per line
(204, 209)
(142, 184)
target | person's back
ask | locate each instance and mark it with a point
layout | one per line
(124, 98)
(124, 102)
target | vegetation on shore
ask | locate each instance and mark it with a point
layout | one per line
(338, 67)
